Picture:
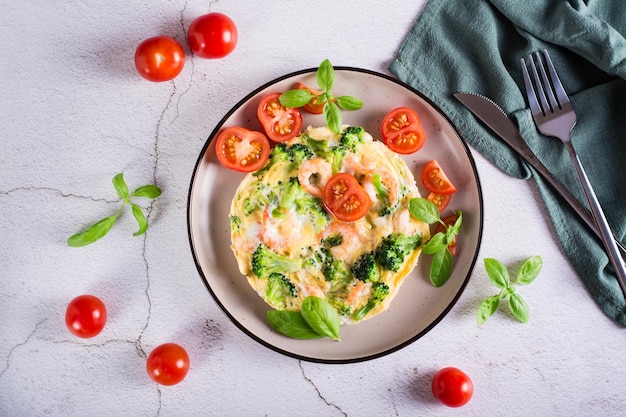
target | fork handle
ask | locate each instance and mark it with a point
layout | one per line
(603, 226)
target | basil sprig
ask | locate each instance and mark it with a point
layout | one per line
(499, 275)
(316, 319)
(102, 227)
(441, 265)
(325, 77)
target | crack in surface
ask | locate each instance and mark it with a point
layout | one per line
(56, 191)
(319, 393)
(8, 361)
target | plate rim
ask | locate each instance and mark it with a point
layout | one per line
(398, 346)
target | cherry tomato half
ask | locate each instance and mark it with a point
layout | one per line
(212, 35)
(313, 106)
(435, 180)
(159, 59)
(402, 131)
(168, 364)
(242, 149)
(85, 316)
(280, 123)
(449, 220)
(440, 200)
(345, 198)
(452, 387)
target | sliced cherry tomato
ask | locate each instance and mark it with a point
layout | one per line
(280, 123)
(159, 59)
(435, 180)
(212, 35)
(85, 316)
(449, 220)
(242, 149)
(452, 387)
(313, 106)
(168, 364)
(402, 131)
(440, 200)
(345, 198)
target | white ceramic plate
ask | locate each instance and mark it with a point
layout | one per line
(419, 306)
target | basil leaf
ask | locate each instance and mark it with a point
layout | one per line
(147, 191)
(321, 316)
(141, 219)
(349, 103)
(332, 116)
(457, 224)
(435, 244)
(497, 273)
(424, 210)
(487, 308)
(94, 233)
(325, 75)
(518, 307)
(441, 267)
(295, 98)
(120, 186)
(529, 270)
(291, 324)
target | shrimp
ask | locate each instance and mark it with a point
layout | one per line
(360, 291)
(313, 175)
(365, 168)
(279, 234)
(353, 235)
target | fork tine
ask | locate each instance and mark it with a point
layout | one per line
(556, 81)
(547, 85)
(545, 105)
(530, 90)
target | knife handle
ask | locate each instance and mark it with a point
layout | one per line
(574, 203)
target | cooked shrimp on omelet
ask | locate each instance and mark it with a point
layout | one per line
(289, 246)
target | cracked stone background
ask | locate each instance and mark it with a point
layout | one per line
(73, 113)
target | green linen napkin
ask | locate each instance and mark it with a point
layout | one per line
(476, 46)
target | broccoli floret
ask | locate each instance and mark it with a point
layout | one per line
(380, 291)
(333, 240)
(279, 287)
(235, 223)
(319, 147)
(334, 269)
(352, 137)
(279, 153)
(299, 152)
(294, 197)
(265, 262)
(338, 153)
(339, 304)
(364, 268)
(261, 197)
(394, 249)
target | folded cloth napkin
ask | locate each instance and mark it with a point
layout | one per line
(476, 46)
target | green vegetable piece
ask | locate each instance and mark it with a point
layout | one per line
(441, 267)
(497, 273)
(120, 186)
(518, 307)
(325, 76)
(295, 98)
(321, 316)
(291, 324)
(529, 270)
(147, 191)
(349, 103)
(94, 233)
(487, 308)
(424, 210)
(141, 219)
(332, 115)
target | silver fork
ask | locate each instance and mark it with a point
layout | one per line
(555, 116)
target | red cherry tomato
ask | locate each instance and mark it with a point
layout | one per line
(212, 35)
(440, 200)
(452, 387)
(159, 59)
(85, 316)
(242, 149)
(402, 131)
(345, 198)
(449, 220)
(312, 106)
(435, 180)
(168, 364)
(280, 123)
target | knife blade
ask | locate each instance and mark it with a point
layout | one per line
(492, 115)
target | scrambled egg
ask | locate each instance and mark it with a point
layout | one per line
(289, 246)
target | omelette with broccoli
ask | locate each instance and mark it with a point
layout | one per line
(290, 246)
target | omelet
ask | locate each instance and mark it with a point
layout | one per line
(289, 246)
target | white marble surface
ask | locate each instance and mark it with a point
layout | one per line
(73, 113)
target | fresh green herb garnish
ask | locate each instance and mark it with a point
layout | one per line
(317, 319)
(499, 275)
(441, 266)
(102, 227)
(325, 76)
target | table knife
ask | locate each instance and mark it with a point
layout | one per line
(497, 120)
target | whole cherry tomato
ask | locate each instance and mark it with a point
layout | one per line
(159, 59)
(85, 316)
(168, 364)
(452, 387)
(212, 35)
